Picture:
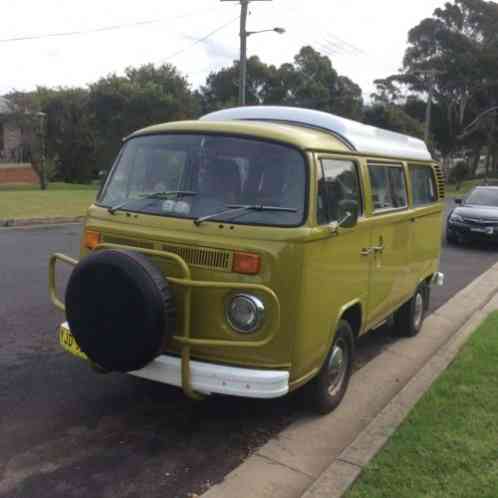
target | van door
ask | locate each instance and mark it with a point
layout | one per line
(335, 273)
(391, 239)
(427, 222)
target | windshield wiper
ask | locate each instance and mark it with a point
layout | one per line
(155, 195)
(235, 209)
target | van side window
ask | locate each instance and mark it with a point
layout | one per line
(388, 187)
(337, 181)
(423, 185)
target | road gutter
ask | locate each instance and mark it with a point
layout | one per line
(22, 222)
(318, 457)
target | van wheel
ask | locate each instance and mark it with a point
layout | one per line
(410, 317)
(328, 388)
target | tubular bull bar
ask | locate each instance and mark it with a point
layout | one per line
(186, 282)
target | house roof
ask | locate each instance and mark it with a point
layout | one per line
(5, 106)
(357, 136)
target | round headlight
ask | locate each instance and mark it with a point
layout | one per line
(245, 313)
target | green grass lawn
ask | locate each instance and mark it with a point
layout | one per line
(467, 186)
(464, 189)
(448, 446)
(60, 199)
(10, 187)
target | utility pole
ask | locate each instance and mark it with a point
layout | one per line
(244, 34)
(244, 5)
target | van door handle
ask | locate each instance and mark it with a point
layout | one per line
(380, 247)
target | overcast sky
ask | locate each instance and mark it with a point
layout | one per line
(365, 39)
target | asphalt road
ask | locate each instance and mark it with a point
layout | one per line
(68, 432)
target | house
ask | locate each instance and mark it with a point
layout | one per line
(15, 165)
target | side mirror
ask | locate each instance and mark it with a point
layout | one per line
(350, 212)
(458, 201)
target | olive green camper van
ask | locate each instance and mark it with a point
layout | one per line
(244, 253)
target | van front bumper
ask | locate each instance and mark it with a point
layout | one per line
(206, 378)
(473, 233)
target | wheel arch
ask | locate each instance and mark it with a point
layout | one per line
(353, 313)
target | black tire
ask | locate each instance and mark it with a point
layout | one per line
(328, 388)
(409, 318)
(451, 238)
(120, 309)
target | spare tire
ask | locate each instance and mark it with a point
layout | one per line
(120, 309)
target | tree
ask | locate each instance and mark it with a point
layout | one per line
(143, 96)
(314, 83)
(26, 115)
(455, 50)
(70, 132)
(348, 100)
(394, 118)
(222, 87)
(460, 41)
(459, 173)
(310, 81)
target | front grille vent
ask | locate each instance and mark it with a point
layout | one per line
(110, 239)
(481, 221)
(441, 183)
(202, 256)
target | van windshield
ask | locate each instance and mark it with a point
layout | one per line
(195, 176)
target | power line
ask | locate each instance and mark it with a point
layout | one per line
(200, 40)
(338, 43)
(344, 46)
(99, 30)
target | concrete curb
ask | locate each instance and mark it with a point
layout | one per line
(319, 457)
(39, 221)
(347, 467)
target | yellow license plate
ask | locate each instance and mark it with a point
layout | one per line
(68, 342)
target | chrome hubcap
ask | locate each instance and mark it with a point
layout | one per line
(337, 367)
(419, 310)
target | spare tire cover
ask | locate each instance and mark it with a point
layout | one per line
(120, 309)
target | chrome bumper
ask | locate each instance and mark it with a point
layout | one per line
(437, 279)
(208, 378)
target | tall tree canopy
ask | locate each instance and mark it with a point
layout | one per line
(457, 50)
(310, 81)
(143, 96)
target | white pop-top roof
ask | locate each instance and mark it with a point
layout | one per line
(360, 137)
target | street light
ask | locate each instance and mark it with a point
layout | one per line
(280, 31)
(244, 4)
(243, 57)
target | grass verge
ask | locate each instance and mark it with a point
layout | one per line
(448, 446)
(467, 186)
(59, 200)
(17, 187)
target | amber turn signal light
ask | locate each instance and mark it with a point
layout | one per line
(92, 239)
(249, 264)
